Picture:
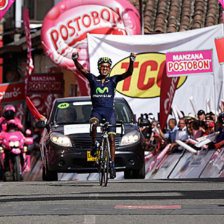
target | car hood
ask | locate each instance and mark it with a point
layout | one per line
(72, 129)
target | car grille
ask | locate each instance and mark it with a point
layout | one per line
(85, 142)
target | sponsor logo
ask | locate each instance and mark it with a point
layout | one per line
(63, 105)
(6, 95)
(75, 28)
(3, 4)
(145, 81)
(182, 63)
(99, 90)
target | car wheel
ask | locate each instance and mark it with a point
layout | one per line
(140, 173)
(128, 174)
(135, 173)
(49, 175)
(44, 173)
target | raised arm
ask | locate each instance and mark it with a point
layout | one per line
(75, 57)
(131, 66)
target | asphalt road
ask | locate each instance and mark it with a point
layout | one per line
(123, 201)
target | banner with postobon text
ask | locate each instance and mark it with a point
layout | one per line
(142, 89)
(189, 62)
(66, 25)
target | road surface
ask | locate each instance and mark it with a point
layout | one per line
(123, 201)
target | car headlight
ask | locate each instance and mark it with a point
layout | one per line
(60, 139)
(130, 138)
(14, 144)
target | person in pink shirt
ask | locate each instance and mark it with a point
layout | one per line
(9, 113)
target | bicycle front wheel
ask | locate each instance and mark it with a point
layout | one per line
(104, 162)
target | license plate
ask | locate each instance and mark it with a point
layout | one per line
(91, 158)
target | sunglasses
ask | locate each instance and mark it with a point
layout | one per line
(103, 66)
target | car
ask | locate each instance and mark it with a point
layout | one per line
(66, 142)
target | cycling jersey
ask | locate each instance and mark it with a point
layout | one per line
(102, 94)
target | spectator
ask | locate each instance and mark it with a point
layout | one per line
(212, 115)
(201, 115)
(209, 123)
(202, 126)
(210, 128)
(219, 142)
(171, 133)
(196, 129)
(181, 134)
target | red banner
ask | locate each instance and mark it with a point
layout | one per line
(32, 108)
(43, 103)
(46, 83)
(12, 92)
(168, 88)
(4, 6)
(219, 44)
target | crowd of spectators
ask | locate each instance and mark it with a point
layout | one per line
(182, 128)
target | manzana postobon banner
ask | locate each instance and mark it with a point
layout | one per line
(67, 24)
(4, 6)
(189, 62)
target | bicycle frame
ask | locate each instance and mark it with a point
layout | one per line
(104, 157)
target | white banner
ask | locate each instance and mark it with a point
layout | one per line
(142, 90)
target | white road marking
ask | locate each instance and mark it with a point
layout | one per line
(89, 219)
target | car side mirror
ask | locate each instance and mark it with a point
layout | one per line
(41, 124)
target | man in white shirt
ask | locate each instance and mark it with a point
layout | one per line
(181, 134)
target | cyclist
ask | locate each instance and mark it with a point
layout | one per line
(102, 90)
(9, 113)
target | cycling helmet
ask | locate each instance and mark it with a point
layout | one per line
(9, 112)
(104, 60)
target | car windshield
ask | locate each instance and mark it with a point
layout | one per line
(79, 112)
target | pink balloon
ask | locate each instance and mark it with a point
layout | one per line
(66, 25)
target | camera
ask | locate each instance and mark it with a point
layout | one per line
(144, 120)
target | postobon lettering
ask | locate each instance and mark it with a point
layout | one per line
(71, 29)
(33, 86)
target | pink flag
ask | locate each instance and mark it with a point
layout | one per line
(168, 88)
(4, 6)
(26, 23)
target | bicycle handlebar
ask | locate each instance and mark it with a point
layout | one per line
(106, 125)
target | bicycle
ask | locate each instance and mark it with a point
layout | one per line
(104, 157)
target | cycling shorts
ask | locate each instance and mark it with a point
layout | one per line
(108, 115)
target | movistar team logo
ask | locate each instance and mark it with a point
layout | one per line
(99, 90)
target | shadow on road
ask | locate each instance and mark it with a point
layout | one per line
(127, 195)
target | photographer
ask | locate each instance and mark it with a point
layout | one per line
(145, 127)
